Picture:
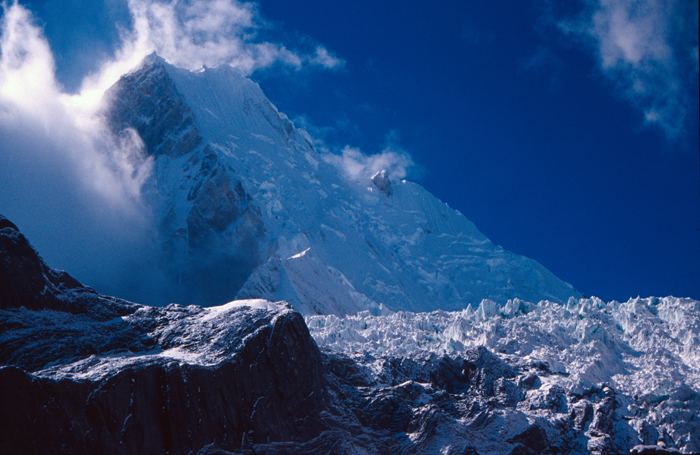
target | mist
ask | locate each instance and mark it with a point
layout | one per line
(71, 188)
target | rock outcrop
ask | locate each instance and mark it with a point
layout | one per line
(83, 373)
(382, 182)
(26, 281)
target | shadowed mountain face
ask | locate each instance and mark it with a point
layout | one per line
(210, 232)
(84, 373)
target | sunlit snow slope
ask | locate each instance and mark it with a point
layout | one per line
(248, 208)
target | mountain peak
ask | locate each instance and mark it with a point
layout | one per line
(239, 192)
(146, 100)
(152, 58)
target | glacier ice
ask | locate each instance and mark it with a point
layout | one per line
(646, 350)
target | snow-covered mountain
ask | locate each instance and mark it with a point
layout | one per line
(85, 373)
(246, 207)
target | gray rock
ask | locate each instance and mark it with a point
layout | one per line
(382, 182)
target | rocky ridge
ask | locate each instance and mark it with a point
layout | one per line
(92, 374)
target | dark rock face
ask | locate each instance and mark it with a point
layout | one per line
(78, 378)
(219, 203)
(271, 389)
(581, 414)
(26, 281)
(148, 101)
(382, 182)
(210, 231)
(533, 440)
(222, 234)
(159, 407)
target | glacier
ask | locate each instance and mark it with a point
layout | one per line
(646, 350)
(247, 207)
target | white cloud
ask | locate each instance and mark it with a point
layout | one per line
(70, 186)
(31, 101)
(352, 162)
(325, 59)
(196, 33)
(357, 166)
(647, 48)
(26, 65)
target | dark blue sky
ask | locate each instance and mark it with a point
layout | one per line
(510, 110)
(516, 126)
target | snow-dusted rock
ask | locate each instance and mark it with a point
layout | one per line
(89, 373)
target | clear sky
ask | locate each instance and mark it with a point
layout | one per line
(566, 131)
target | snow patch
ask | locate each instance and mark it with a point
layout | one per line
(254, 304)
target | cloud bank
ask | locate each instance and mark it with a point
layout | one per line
(66, 182)
(71, 186)
(649, 49)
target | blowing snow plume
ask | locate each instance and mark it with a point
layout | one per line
(197, 33)
(356, 165)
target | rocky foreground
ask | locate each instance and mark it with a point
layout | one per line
(84, 373)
